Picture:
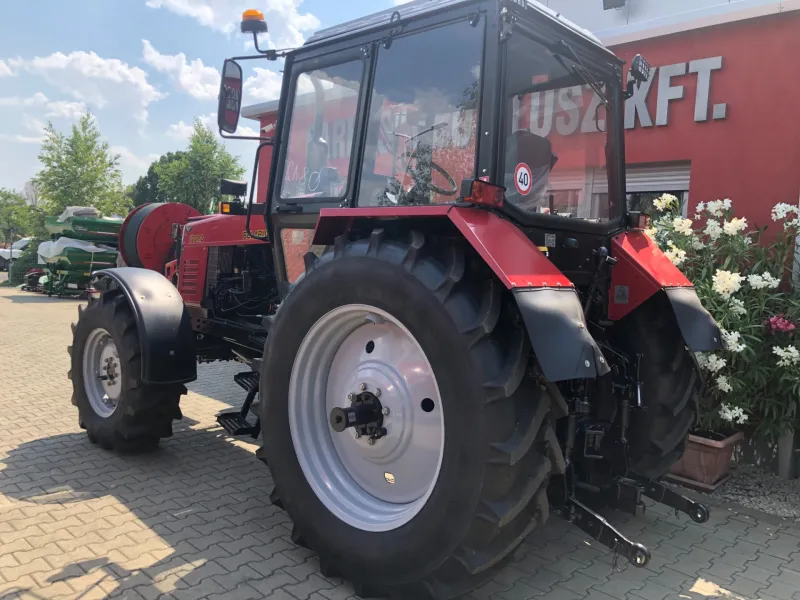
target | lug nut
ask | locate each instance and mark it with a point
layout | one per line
(363, 387)
(378, 392)
(371, 442)
(358, 435)
(385, 410)
(350, 396)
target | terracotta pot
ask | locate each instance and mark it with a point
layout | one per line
(706, 463)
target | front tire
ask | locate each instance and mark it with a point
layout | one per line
(489, 491)
(117, 410)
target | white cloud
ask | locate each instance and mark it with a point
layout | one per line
(4, 70)
(53, 108)
(263, 86)
(183, 131)
(63, 108)
(132, 164)
(195, 78)
(95, 81)
(288, 27)
(22, 139)
(399, 2)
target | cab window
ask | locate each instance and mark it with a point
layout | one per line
(321, 135)
(423, 116)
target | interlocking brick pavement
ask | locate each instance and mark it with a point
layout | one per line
(193, 519)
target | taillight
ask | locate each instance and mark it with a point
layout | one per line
(475, 191)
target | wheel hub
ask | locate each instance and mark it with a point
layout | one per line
(365, 415)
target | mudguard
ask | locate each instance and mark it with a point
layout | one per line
(642, 271)
(547, 299)
(165, 329)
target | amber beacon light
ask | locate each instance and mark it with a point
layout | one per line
(253, 21)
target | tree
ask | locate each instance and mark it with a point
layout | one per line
(31, 194)
(194, 177)
(13, 216)
(79, 169)
(146, 188)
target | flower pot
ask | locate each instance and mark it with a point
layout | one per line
(706, 463)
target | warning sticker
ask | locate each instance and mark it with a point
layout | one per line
(523, 179)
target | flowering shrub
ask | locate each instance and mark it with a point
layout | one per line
(745, 285)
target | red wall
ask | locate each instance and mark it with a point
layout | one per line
(753, 156)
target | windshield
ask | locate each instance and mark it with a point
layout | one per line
(555, 133)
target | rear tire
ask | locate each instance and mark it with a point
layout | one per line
(499, 445)
(131, 415)
(670, 390)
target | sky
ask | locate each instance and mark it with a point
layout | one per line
(146, 69)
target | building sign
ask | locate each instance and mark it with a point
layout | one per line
(571, 110)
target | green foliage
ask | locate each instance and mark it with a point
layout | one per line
(79, 169)
(27, 260)
(744, 283)
(146, 189)
(14, 218)
(193, 178)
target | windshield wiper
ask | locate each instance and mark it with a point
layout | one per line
(583, 73)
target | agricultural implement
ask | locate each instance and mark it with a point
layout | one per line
(452, 323)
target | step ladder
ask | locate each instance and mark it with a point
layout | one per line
(246, 420)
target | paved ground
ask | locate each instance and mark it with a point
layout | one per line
(193, 520)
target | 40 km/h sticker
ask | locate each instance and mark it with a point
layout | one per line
(523, 179)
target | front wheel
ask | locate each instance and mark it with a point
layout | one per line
(115, 407)
(404, 439)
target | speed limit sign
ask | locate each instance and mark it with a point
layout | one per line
(523, 179)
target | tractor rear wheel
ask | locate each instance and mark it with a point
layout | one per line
(446, 470)
(670, 390)
(117, 410)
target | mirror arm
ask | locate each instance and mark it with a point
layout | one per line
(266, 140)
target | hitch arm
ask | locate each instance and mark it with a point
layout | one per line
(596, 526)
(657, 491)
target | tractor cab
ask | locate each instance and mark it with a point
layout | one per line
(410, 105)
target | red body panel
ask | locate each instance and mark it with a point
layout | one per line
(643, 269)
(513, 257)
(154, 238)
(198, 236)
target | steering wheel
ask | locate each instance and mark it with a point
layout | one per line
(450, 181)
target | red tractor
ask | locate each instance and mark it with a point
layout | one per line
(481, 332)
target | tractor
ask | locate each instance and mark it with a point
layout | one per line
(451, 322)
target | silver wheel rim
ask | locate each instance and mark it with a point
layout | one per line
(371, 487)
(102, 372)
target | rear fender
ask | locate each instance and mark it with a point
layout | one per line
(642, 271)
(547, 300)
(165, 331)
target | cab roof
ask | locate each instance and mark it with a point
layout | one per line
(418, 8)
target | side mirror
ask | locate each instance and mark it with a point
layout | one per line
(230, 97)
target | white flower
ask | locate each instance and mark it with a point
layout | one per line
(730, 413)
(731, 341)
(711, 362)
(726, 204)
(788, 356)
(723, 385)
(765, 280)
(737, 307)
(715, 208)
(713, 230)
(734, 226)
(727, 283)
(782, 210)
(701, 206)
(698, 244)
(682, 226)
(651, 232)
(664, 202)
(674, 254)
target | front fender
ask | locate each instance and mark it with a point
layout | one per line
(164, 326)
